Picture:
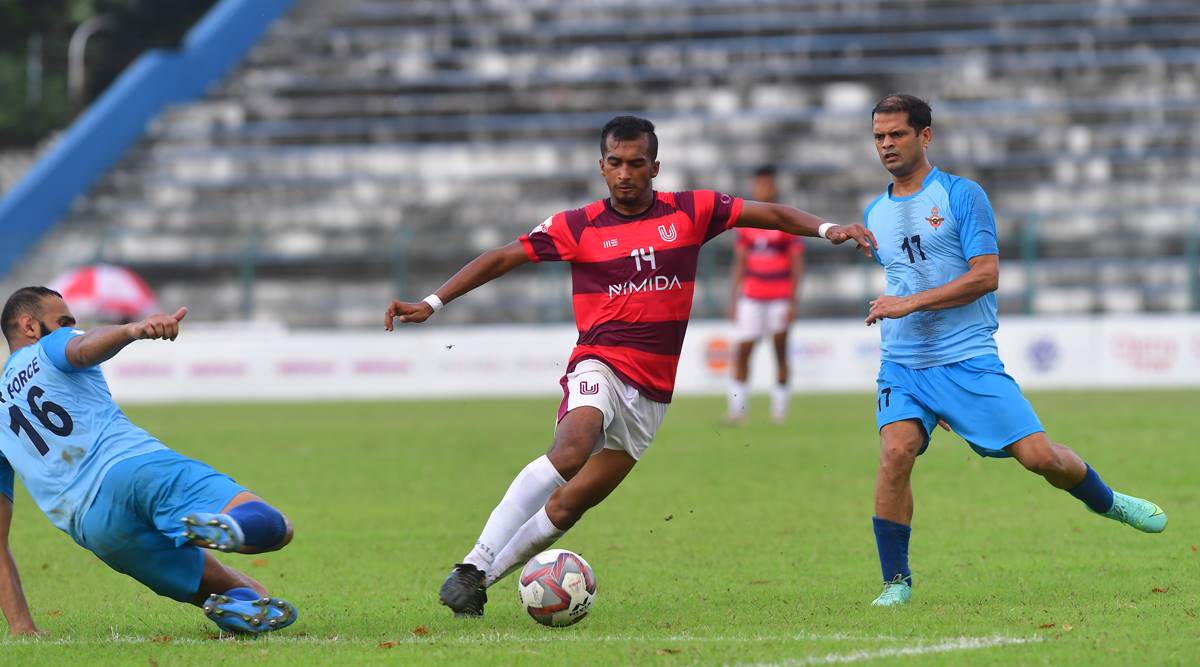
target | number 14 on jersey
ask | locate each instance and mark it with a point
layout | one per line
(644, 255)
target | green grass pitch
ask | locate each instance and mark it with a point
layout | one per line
(748, 545)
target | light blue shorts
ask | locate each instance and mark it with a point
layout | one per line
(981, 402)
(135, 526)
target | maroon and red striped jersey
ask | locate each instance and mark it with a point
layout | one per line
(633, 278)
(768, 269)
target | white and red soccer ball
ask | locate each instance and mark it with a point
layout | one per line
(557, 587)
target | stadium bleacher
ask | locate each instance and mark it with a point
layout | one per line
(409, 136)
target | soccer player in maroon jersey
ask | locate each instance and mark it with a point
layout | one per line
(633, 268)
(767, 267)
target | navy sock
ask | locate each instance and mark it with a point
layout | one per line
(262, 525)
(242, 593)
(891, 539)
(1093, 492)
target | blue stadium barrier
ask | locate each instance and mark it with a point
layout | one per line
(98, 138)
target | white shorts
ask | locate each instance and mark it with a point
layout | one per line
(630, 419)
(757, 318)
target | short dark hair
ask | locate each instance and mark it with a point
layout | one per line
(25, 300)
(626, 128)
(920, 116)
(765, 170)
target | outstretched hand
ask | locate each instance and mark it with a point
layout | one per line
(407, 312)
(861, 236)
(160, 326)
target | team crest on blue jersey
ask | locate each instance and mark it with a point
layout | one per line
(934, 219)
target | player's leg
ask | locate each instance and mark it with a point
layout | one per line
(779, 338)
(1064, 469)
(237, 603)
(246, 524)
(133, 526)
(1061, 467)
(218, 578)
(200, 506)
(989, 411)
(598, 478)
(747, 330)
(587, 406)
(905, 425)
(627, 434)
(124, 529)
(577, 435)
(739, 385)
(899, 444)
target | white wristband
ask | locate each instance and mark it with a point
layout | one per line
(434, 302)
(824, 229)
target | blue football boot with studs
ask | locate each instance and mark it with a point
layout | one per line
(213, 531)
(242, 614)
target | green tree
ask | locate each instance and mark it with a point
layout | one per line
(29, 111)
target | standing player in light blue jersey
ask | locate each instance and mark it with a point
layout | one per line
(114, 488)
(937, 243)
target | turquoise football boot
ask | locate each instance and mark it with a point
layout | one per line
(895, 593)
(1141, 514)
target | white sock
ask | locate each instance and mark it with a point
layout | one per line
(779, 402)
(531, 539)
(525, 496)
(737, 398)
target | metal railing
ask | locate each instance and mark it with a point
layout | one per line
(406, 268)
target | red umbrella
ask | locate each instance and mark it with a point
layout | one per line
(104, 291)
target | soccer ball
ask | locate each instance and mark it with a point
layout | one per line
(557, 587)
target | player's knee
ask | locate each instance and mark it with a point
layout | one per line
(562, 512)
(264, 527)
(568, 459)
(899, 453)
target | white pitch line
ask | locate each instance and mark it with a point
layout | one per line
(549, 636)
(948, 646)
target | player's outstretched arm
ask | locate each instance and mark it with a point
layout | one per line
(12, 597)
(802, 223)
(983, 277)
(484, 268)
(103, 343)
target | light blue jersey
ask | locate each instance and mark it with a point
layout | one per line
(925, 240)
(62, 431)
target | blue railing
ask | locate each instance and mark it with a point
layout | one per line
(102, 134)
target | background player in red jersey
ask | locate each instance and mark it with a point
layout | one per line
(633, 267)
(767, 267)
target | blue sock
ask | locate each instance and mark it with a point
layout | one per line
(891, 539)
(262, 525)
(242, 593)
(1093, 492)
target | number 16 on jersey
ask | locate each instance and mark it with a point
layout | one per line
(18, 422)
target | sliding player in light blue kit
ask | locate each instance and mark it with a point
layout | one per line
(115, 489)
(937, 243)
